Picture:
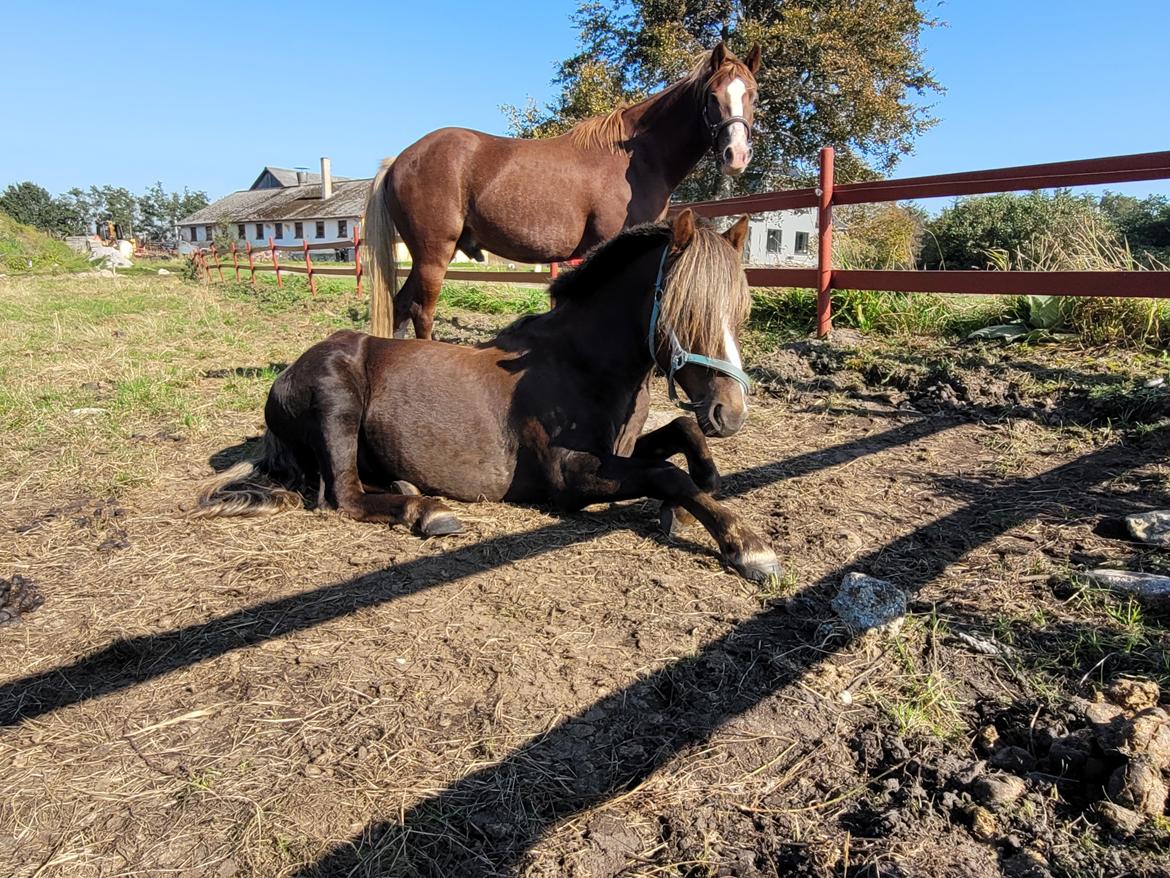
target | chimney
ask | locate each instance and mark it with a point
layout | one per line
(326, 179)
(302, 177)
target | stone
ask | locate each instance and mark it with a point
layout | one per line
(865, 603)
(1133, 694)
(1118, 820)
(1138, 785)
(1150, 527)
(997, 790)
(987, 738)
(983, 824)
(1149, 588)
(163, 271)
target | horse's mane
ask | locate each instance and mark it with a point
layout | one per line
(704, 292)
(607, 132)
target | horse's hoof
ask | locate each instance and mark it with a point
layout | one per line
(674, 520)
(440, 524)
(404, 487)
(758, 565)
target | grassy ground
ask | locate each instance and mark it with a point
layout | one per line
(561, 696)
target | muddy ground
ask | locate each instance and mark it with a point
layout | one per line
(584, 696)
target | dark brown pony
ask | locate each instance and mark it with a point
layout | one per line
(551, 410)
(554, 199)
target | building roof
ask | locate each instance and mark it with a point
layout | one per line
(288, 176)
(288, 203)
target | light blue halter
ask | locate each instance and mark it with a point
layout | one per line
(679, 357)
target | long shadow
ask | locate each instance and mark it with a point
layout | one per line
(130, 661)
(486, 822)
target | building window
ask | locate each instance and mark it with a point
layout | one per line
(801, 246)
(775, 241)
(342, 229)
(241, 232)
(298, 230)
(279, 231)
(194, 230)
(209, 231)
(259, 231)
(320, 228)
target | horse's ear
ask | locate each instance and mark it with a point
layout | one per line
(737, 234)
(753, 58)
(718, 56)
(683, 230)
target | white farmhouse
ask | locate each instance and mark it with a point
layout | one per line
(782, 237)
(285, 205)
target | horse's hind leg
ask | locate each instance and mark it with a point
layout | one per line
(431, 272)
(336, 445)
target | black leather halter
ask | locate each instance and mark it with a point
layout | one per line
(716, 129)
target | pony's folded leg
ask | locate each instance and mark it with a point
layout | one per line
(674, 519)
(425, 515)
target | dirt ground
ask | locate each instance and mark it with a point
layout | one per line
(574, 695)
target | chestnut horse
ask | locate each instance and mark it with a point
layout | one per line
(551, 410)
(553, 199)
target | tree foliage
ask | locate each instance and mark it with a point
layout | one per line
(1143, 222)
(150, 216)
(972, 231)
(848, 74)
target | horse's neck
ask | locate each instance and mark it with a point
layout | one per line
(667, 129)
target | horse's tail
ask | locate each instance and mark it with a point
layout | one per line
(379, 237)
(256, 486)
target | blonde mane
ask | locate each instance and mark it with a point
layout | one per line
(705, 293)
(607, 132)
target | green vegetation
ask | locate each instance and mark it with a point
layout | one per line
(25, 250)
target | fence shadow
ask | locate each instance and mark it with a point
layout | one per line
(486, 822)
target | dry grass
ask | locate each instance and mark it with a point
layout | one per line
(575, 696)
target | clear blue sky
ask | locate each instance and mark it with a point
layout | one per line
(204, 94)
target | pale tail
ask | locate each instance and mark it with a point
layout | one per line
(380, 238)
(252, 487)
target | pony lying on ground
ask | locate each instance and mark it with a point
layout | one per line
(551, 410)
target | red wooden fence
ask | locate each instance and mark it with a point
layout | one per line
(199, 259)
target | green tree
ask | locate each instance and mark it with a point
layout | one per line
(159, 211)
(32, 205)
(1143, 222)
(847, 74)
(970, 232)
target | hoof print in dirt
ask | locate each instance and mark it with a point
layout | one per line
(866, 603)
(18, 596)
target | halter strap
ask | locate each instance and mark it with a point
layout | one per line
(716, 128)
(679, 356)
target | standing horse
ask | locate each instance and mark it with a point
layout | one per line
(550, 410)
(554, 199)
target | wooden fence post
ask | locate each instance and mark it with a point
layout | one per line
(553, 268)
(236, 261)
(251, 262)
(309, 267)
(825, 245)
(357, 257)
(215, 256)
(275, 264)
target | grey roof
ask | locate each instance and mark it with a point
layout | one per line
(290, 203)
(288, 176)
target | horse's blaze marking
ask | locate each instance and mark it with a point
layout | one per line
(736, 89)
(731, 354)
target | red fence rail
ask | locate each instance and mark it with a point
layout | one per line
(309, 268)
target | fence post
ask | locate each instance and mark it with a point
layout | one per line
(825, 246)
(309, 267)
(552, 270)
(357, 257)
(236, 261)
(251, 262)
(275, 264)
(215, 256)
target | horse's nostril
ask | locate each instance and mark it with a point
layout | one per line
(717, 415)
(727, 155)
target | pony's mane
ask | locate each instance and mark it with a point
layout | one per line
(607, 132)
(704, 292)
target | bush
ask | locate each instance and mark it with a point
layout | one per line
(24, 250)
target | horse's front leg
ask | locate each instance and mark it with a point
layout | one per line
(681, 436)
(589, 478)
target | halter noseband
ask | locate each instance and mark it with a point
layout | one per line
(679, 356)
(716, 129)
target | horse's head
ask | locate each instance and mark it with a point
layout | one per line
(729, 102)
(704, 302)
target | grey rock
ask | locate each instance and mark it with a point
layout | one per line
(997, 790)
(163, 271)
(1150, 527)
(1149, 588)
(865, 603)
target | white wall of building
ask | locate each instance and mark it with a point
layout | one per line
(258, 233)
(784, 237)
